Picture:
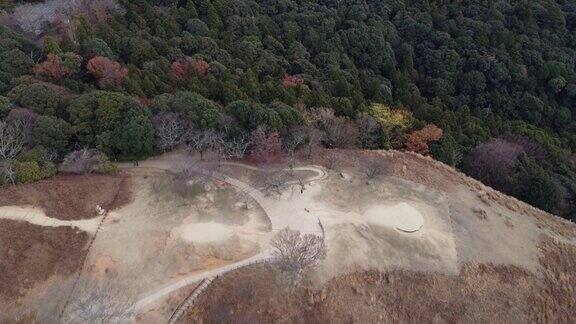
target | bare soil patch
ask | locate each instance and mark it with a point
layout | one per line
(70, 197)
(483, 293)
(31, 254)
(434, 174)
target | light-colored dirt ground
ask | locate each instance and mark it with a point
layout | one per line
(160, 237)
(361, 223)
(437, 224)
(479, 256)
(37, 216)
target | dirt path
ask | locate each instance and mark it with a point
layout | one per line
(276, 210)
(38, 217)
(166, 290)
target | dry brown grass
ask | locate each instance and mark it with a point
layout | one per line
(31, 253)
(484, 293)
(556, 302)
(70, 197)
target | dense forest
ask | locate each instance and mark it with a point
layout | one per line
(488, 86)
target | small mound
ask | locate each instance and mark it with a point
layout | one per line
(210, 232)
(402, 216)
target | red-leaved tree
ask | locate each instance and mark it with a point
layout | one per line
(265, 148)
(201, 67)
(52, 68)
(292, 81)
(179, 69)
(418, 141)
(106, 71)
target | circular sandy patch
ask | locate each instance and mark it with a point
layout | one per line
(402, 216)
(204, 232)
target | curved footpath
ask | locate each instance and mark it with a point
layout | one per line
(166, 290)
(298, 220)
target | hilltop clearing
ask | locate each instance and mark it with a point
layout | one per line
(417, 226)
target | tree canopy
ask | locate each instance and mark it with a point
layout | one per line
(476, 70)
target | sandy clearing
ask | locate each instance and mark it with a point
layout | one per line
(371, 235)
(210, 232)
(402, 216)
(276, 209)
(37, 216)
(299, 218)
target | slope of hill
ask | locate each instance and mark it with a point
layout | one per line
(512, 263)
(497, 77)
(417, 232)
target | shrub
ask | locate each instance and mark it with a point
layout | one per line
(87, 161)
(42, 157)
(28, 171)
(42, 98)
(5, 107)
(51, 132)
(96, 47)
(106, 168)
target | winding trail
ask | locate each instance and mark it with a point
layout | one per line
(275, 209)
(37, 216)
(168, 289)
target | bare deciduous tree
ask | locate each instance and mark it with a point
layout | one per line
(492, 162)
(226, 122)
(296, 136)
(295, 252)
(7, 172)
(83, 161)
(190, 172)
(26, 119)
(92, 301)
(314, 138)
(332, 160)
(341, 132)
(169, 130)
(12, 140)
(368, 130)
(530, 147)
(235, 149)
(244, 197)
(274, 182)
(265, 147)
(372, 166)
(204, 141)
(38, 17)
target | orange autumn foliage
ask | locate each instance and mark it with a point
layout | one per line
(179, 69)
(201, 67)
(292, 81)
(107, 71)
(418, 141)
(52, 68)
